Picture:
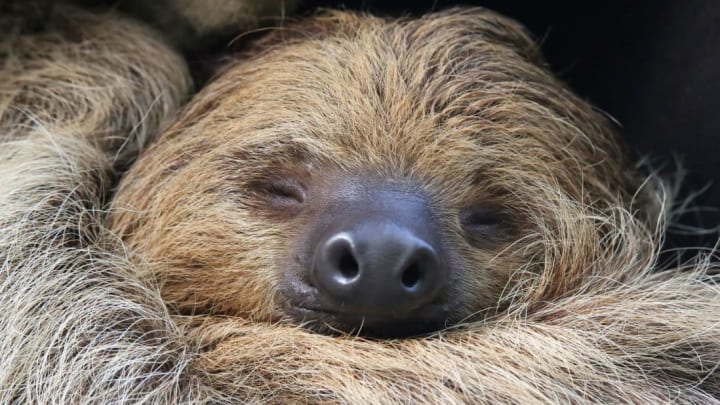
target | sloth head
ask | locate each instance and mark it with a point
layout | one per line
(387, 177)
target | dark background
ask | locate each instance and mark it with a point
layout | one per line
(653, 65)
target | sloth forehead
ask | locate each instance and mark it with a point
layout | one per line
(466, 105)
(363, 100)
(478, 129)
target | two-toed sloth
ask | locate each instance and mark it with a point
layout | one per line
(345, 181)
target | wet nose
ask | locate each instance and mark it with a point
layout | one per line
(378, 268)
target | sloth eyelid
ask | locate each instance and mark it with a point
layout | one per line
(282, 191)
(480, 217)
(482, 224)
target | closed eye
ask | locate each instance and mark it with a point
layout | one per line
(280, 192)
(480, 216)
(483, 224)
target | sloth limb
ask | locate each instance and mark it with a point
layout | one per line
(78, 326)
(75, 101)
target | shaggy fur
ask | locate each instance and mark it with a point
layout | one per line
(474, 121)
(83, 319)
(193, 24)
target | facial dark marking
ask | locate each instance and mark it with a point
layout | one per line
(281, 192)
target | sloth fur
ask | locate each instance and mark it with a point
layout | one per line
(78, 102)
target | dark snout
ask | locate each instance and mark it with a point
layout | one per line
(379, 267)
(378, 262)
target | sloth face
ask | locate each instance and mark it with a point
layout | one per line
(382, 177)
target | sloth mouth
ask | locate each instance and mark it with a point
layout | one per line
(432, 318)
(302, 304)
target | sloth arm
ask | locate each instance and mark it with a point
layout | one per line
(78, 100)
(637, 344)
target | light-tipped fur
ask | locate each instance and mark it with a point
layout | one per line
(79, 325)
(194, 24)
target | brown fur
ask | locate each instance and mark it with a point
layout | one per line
(455, 101)
(474, 120)
(194, 24)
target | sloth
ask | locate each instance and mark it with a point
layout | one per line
(355, 175)
(355, 209)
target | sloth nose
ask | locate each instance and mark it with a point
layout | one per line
(379, 269)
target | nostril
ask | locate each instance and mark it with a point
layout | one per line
(348, 266)
(336, 268)
(411, 276)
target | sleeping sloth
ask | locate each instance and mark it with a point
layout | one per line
(378, 177)
(346, 181)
